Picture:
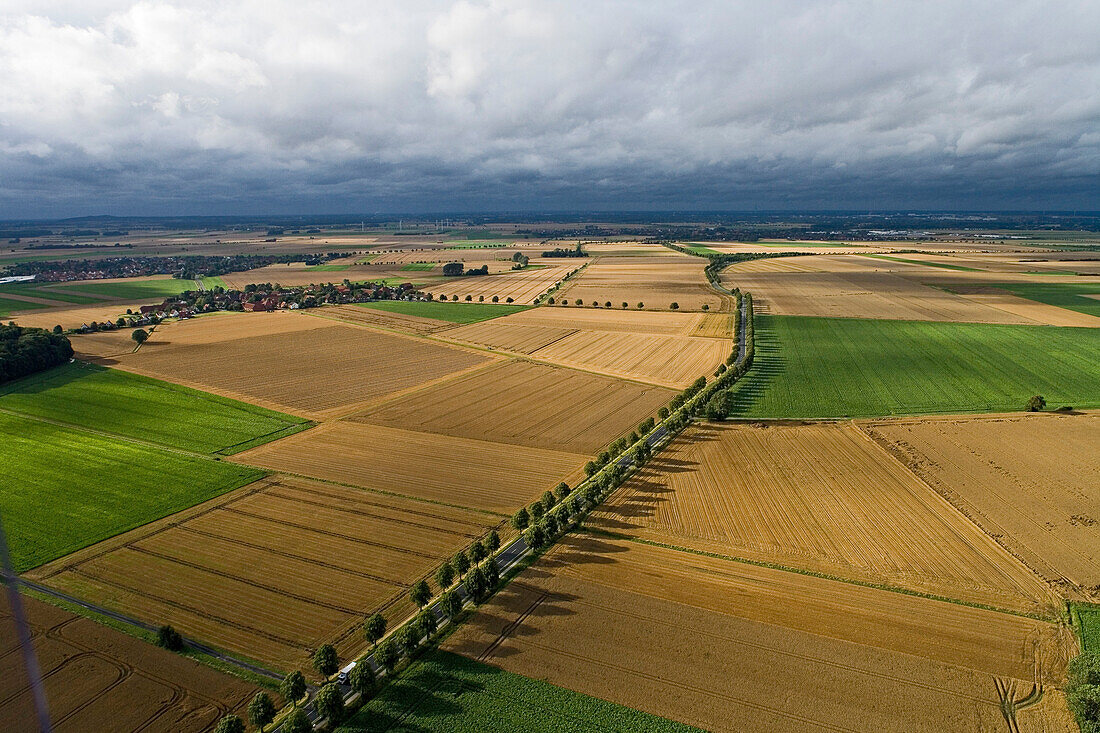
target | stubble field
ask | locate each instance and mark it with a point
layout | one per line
(309, 366)
(527, 404)
(99, 680)
(275, 569)
(822, 498)
(728, 646)
(471, 473)
(522, 286)
(1030, 481)
(655, 281)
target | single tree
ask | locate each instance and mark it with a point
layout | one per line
(625, 304)
(445, 576)
(469, 298)
(420, 593)
(537, 510)
(58, 329)
(293, 687)
(548, 500)
(1036, 403)
(550, 525)
(674, 306)
(535, 537)
(607, 304)
(521, 519)
(169, 639)
(641, 305)
(562, 490)
(409, 637)
(261, 710)
(361, 678)
(461, 563)
(140, 335)
(590, 468)
(297, 722)
(706, 307)
(427, 622)
(492, 541)
(325, 660)
(387, 655)
(496, 298)
(509, 299)
(662, 413)
(330, 704)
(492, 574)
(375, 628)
(451, 604)
(476, 585)
(230, 724)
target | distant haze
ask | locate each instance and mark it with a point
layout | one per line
(196, 107)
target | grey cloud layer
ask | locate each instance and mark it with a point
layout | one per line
(193, 107)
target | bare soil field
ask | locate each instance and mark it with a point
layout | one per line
(104, 344)
(273, 569)
(477, 474)
(709, 642)
(98, 679)
(671, 361)
(522, 286)
(819, 497)
(73, 316)
(655, 281)
(1032, 482)
(528, 404)
(287, 361)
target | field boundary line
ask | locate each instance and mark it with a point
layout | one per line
(813, 573)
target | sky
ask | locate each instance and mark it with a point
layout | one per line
(190, 107)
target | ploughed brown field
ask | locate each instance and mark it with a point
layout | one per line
(274, 569)
(288, 361)
(820, 497)
(655, 281)
(477, 474)
(525, 403)
(1030, 481)
(98, 680)
(854, 286)
(728, 646)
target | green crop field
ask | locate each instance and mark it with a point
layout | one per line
(7, 305)
(447, 693)
(420, 266)
(474, 244)
(1073, 296)
(147, 409)
(1086, 617)
(848, 367)
(453, 312)
(328, 268)
(926, 263)
(700, 249)
(66, 488)
(137, 289)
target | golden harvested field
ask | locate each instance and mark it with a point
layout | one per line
(298, 274)
(864, 287)
(655, 281)
(471, 473)
(716, 325)
(672, 361)
(1030, 481)
(92, 346)
(288, 361)
(819, 497)
(522, 286)
(728, 646)
(501, 333)
(73, 316)
(612, 319)
(273, 569)
(375, 318)
(528, 404)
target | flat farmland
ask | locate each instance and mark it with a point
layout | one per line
(514, 337)
(100, 680)
(1030, 481)
(522, 286)
(669, 323)
(372, 318)
(655, 281)
(478, 474)
(302, 562)
(822, 498)
(528, 404)
(309, 366)
(708, 642)
(671, 361)
(84, 487)
(846, 367)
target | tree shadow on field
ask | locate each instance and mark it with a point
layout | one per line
(768, 366)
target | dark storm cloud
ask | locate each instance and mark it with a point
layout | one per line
(194, 107)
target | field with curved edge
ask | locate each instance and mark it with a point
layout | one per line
(847, 367)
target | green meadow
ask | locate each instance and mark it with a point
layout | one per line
(452, 312)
